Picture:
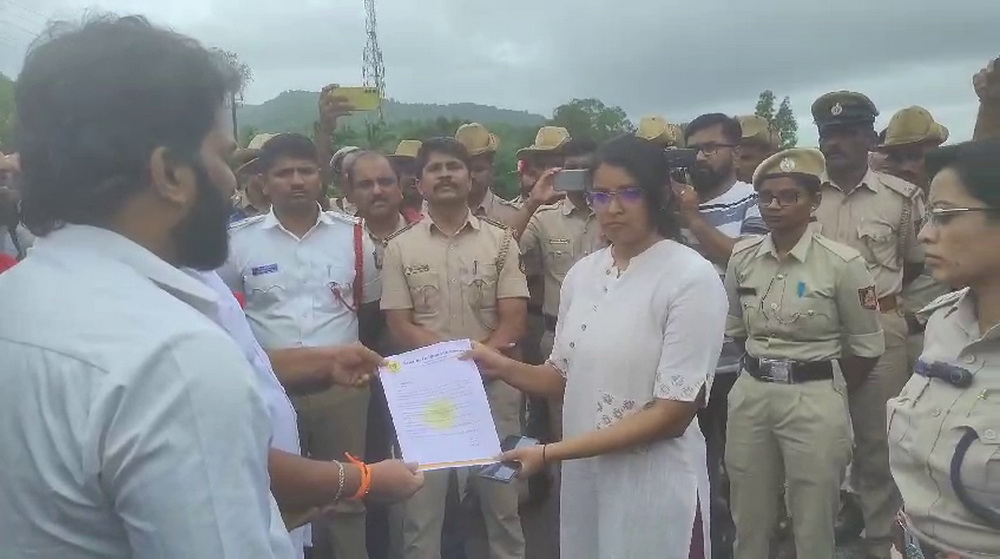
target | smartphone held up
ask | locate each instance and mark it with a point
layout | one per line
(572, 180)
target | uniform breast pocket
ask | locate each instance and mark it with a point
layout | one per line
(334, 286)
(480, 285)
(559, 258)
(899, 410)
(816, 309)
(881, 240)
(425, 292)
(265, 286)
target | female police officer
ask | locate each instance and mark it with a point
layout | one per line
(944, 427)
(802, 303)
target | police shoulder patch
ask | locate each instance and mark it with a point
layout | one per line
(868, 297)
(244, 223)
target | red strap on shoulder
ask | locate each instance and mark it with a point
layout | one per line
(359, 265)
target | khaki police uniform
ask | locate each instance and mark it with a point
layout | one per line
(879, 218)
(555, 239)
(452, 284)
(909, 126)
(788, 421)
(944, 434)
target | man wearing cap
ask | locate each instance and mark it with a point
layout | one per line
(656, 129)
(878, 215)
(482, 146)
(404, 161)
(760, 141)
(310, 280)
(912, 134)
(339, 164)
(544, 154)
(252, 200)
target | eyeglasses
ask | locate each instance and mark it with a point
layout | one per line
(941, 216)
(764, 199)
(709, 148)
(603, 198)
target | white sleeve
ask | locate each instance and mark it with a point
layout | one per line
(230, 271)
(372, 289)
(184, 453)
(692, 337)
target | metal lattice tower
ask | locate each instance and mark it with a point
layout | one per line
(374, 70)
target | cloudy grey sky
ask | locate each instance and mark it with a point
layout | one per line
(676, 58)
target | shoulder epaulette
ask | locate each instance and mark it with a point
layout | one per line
(346, 218)
(845, 252)
(400, 232)
(495, 223)
(941, 302)
(243, 223)
(905, 188)
(748, 242)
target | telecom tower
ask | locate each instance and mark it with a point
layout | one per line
(374, 70)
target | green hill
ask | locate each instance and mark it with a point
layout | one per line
(295, 111)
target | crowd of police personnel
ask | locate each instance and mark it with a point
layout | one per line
(829, 319)
(826, 309)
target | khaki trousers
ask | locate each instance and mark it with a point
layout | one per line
(870, 475)
(778, 434)
(332, 423)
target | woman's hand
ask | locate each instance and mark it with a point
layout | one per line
(491, 362)
(531, 458)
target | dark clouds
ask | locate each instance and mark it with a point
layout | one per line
(669, 57)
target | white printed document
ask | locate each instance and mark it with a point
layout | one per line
(439, 407)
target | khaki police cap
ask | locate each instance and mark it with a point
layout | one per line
(407, 149)
(243, 158)
(795, 161)
(477, 139)
(657, 130)
(550, 139)
(843, 107)
(757, 129)
(914, 125)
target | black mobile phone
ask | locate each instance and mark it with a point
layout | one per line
(505, 472)
(572, 180)
(681, 158)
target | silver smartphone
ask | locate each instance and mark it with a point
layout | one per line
(572, 180)
(505, 472)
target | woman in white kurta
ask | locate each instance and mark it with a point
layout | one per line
(639, 333)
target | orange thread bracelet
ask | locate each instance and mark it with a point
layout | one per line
(366, 478)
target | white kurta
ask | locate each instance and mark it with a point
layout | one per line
(654, 333)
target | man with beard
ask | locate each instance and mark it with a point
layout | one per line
(455, 276)
(760, 141)
(482, 146)
(131, 424)
(878, 215)
(15, 239)
(310, 280)
(716, 210)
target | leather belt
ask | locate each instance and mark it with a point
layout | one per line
(550, 322)
(888, 304)
(786, 371)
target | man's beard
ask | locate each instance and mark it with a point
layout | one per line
(202, 237)
(706, 179)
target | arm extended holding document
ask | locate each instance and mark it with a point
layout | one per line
(662, 419)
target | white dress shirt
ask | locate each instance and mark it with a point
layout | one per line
(285, 436)
(299, 292)
(130, 424)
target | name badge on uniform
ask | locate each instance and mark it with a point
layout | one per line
(418, 269)
(746, 290)
(261, 270)
(558, 241)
